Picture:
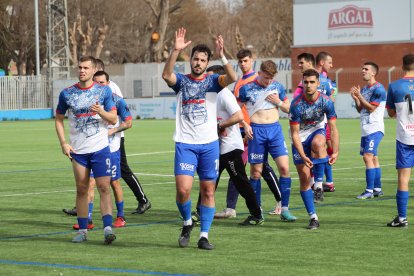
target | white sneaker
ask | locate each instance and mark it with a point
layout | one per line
(278, 209)
(226, 213)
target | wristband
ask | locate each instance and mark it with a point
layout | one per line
(224, 60)
(280, 104)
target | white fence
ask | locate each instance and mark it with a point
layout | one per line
(24, 92)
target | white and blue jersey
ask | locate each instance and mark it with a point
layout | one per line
(254, 95)
(196, 114)
(400, 98)
(373, 122)
(123, 115)
(88, 131)
(311, 115)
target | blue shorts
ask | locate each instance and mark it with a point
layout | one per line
(203, 158)
(99, 161)
(115, 166)
(370, 143)
(405, 156)
(267, 138)
(307, 147)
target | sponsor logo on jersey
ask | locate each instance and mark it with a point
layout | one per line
(350, 16)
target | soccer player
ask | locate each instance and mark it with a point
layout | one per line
(197, 146)
(245, 62)
(229, 115)
(370, 103)
(305, 61)
(90, 107)
(263, 98)
(307, 128)
(400, 105)
(324, 63)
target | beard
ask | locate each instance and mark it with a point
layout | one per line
(197, 73)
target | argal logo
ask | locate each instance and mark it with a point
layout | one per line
(350, 17)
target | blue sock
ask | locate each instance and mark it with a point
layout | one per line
(285, 184)
(370, 178)
(185, 209)
(319, 168)
(206, 217)
(328, 173)
(307, 197)
(90, 209)
(107, 220)
(402, 202)
(83, 223)
(120, 209)
(377, 183)
(257, 188)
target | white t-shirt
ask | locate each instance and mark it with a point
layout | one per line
(226, 106)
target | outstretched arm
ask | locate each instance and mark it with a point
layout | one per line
(168, 73)
(230, 75)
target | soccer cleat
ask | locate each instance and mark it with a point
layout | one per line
(70, 212)
(204, 244)
(226, 213)
(90, 226)
(142, 207)
(365, 195)
(328, 187)
(184, 237)
(287, 216)
(378, 193)
(80, 237)
(119, 222)
(252, 221)
(109, 238)
(313, 224)
(195, 216)
(318, 195)
(277, 210)
(396, 222)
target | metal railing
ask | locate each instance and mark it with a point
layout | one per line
(24, 92)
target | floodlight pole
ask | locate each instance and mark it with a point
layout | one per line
(36, 8)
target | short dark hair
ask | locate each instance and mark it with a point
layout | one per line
(310, 73)
(88, 58)
(374, 65)
(242, 53)
(201, 48)
(322, 56)
(408, 62)
(100, 63)
(269, 67)
(308, 57)
(216, 69)
(101, 73)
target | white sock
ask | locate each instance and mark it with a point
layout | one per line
(188, 222)
(83, 231)
(314, 216)
(377, 189)
(318, 185)
(285, 209)
(107, 230)
(204, 235)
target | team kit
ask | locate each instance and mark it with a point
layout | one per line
(217, 129)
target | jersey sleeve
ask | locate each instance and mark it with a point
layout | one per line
(62, 106)
(108, 102)
(177, 85)
(390, 98)
(282, 93)
(229, 101)
(330, 110)
(378, 96)
(294, 114)
(123, 110)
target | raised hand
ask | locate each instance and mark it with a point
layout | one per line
(220, 46)
(180, 43)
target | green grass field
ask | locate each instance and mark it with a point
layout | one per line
(37, 182)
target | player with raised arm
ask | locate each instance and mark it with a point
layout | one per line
(370, 103)
(196, 144)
